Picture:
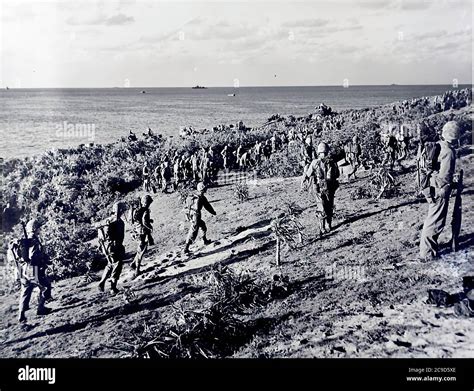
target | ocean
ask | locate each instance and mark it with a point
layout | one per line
(35, 120)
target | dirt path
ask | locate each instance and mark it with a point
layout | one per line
(357, 292)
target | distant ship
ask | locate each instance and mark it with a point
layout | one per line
(143, 92)
(230, 94)
(393, 84)
(198, 87)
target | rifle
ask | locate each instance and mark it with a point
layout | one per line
(457, 214)
(102, 245)
(26, 258)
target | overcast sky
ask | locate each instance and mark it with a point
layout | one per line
(92, 43)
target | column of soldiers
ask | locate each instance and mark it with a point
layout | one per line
(436, 162)
(203, 165)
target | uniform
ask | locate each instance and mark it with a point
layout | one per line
(142, 231)
(146, 178)
(198, 202)
(440, 182)
(112, 246)
(32, 268)
(353, 152)
(325, 173)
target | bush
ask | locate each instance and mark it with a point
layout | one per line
(241, 192)
(280, 164)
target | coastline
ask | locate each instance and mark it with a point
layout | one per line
(79, 184)
(75, 187)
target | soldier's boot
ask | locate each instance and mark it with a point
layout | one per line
(137, 271)
(322, 226)
(43, 310)
(22, 317)
(186, 248)
(205, 240)
(113, 287)
(101, 286)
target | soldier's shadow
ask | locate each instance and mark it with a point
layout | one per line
(465, 241)
(121, 310)
(357, 217)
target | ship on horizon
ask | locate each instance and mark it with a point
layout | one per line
(198, 87)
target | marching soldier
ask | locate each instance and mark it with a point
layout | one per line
(142, 225)
(307, 152)
(194, 204)
(32, 262)
(390, 149)
(225, 153)
(324, 172)
(111, 235)
(146, 177)
(165, 175)
(441, 181)
(353, 153)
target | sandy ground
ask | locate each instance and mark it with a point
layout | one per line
(357, 292)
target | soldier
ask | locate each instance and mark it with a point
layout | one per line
(441, 181)
(146, 177)
(195, 166)
(353, 152)
(238, 153)
(111, 235)
(267, 149)
(308, 153)
(194, 204)
(142, 226)
(32, 263)
(244, 161)
(157, 176)
(274, 142)
(390, 148)
(176, 171)
(427, 156)
(258, 152)
(225, 156)
(165, 175)
(324, 172)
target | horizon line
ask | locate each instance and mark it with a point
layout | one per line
(232, 87)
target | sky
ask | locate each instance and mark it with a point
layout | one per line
(120, 43)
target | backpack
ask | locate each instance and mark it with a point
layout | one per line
(137, 219)
(191, 205)
(332, 170)
(430, 156)
(18, 254)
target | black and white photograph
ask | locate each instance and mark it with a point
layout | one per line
(190, 182)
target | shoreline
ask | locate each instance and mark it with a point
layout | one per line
(343, 112)
(74, 187)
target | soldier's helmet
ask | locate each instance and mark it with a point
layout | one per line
(450, 131)
(146, 199)
(201, 187)
(32, 225)
(118, 207)
(322, 148)
(308, 140)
